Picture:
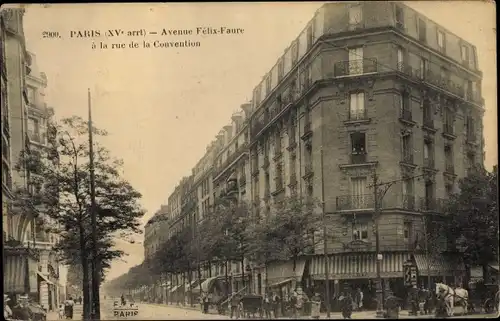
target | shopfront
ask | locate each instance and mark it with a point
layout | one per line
(283, 277)
(351, 271)
(444, 268)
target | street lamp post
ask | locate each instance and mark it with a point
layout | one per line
(379, 289)
(325, 246)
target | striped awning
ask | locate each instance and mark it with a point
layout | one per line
(15, 269)
(358, 266)
(279, 271)
(438, 266)
(46, 279)
(279, 283)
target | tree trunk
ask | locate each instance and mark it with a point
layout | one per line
(86, 279)
(209, 269)
(266, 279)
(227, 281)
(199, 277)
(243, 271)
(295, 278)
(190, 280)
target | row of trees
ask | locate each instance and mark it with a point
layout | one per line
(232, 233)
(59, 180)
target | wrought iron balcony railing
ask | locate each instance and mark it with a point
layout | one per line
(428, 163)
(428, 122)
(405, 114)
(449, 167)
(429, 204)
(358, 158)
(355, 67)
(448, 129)
(355, 202)
(358, 114)
(407, 157)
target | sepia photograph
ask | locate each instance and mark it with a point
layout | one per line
(249, 160)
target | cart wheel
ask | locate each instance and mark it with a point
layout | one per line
(489, 306)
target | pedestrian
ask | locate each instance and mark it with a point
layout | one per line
(61, 311)
(68, 308)
(275, 304)
(235, 305)
(293, 304)
(358, 299)
(267, 306)
(7, 312)
(80, 300)
(315, 306)
(206, 303)
(346, 305)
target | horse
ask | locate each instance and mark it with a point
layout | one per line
(452, 297)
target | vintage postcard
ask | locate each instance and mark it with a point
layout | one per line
(260, 159)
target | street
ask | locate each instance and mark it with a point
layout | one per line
(162, 312)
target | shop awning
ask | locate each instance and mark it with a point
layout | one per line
(195, 286)
(14, 273)
(358, 266)
(280, 271)
(494, 266)
(280, 283)
(44, 278)
(438, 266)
(175, 288)
(208, 283)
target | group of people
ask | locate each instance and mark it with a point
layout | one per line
(23, 309)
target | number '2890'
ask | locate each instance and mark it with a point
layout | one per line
(50, 34)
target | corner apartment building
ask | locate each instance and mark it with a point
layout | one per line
(45, 271)
(375, 89)
(153, 232)
(18, 225)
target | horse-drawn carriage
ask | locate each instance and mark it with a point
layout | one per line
(484, 297)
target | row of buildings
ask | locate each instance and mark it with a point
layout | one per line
(29, 263)
(367, 88)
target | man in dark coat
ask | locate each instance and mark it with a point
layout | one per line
(346, 304)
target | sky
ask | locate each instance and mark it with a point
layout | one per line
(163, 106)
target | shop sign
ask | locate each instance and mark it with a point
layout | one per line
(410, 274)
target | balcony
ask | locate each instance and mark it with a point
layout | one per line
(449, 168)
(405, 115)
(243, 181)
(355, 202)
(233, 157)
(308, 171)
(293, 179)
(358, 115)
(429, 204)
(399, 201)
(407, 158)
(292, 144)
(307, 130)
(448, 131)
(428, 163)
(428, 123)
(266, 162)
(358, 158)
(355, 67)
(471, 138)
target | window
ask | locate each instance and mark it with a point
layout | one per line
(400, 21)
(428, 156)
(357, 106)
(355, 61)
(268, 84)
(360, 232)
(355, 15)
(281, 69)
(407, 149)
(449, 190)
(310, 37)
(422, 30)
(31, 95)
(470, 128)
(295, 53)
(257, 96)
(427, 113)
(404, 106)
(448, 157)
(359, 195)
(423, 67)
(444, 73)
(400, 59)
(358, 144)
(429, 195)
(34, 129)
(407, 229)
(441, 40)
(408, 186)
(464, 50)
